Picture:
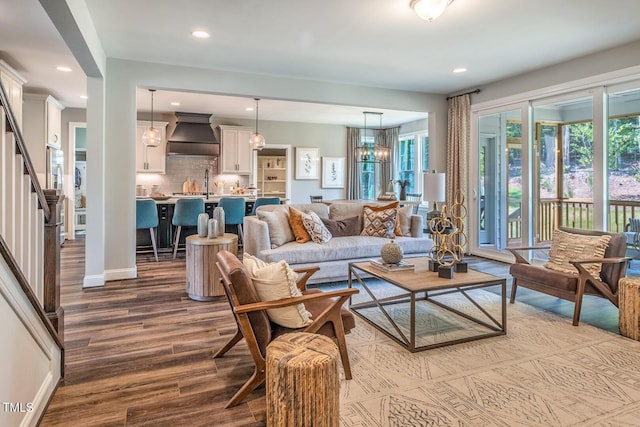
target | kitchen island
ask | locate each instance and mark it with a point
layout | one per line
(165, 231)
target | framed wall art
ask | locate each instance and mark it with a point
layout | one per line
(307, 163)
(333, 172)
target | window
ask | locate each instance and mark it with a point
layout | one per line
(409, 166)
(367, 173)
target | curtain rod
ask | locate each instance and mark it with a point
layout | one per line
(466, 93)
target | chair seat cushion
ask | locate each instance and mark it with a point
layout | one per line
(315, 308)
(527, 273)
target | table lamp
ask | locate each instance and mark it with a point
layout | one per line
(433, 190)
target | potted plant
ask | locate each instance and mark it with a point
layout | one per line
(404, 183)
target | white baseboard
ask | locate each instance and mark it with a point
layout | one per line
(93, 281)
(121, 273)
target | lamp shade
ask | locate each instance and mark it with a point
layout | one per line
(434, 187)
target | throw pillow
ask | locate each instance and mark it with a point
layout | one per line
(403, 221)
(316, 229)
(397, 230)
(567, 247)
(278, 223)
(342, 227)
(379, 223)
(274, 281)
(295, 219)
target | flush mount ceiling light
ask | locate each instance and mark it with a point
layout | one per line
(369, 151)
(199, 34)
(63, 69)
(257, 141)
(151, 136)
(429, 9)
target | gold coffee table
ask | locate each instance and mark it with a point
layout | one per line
(421, 311)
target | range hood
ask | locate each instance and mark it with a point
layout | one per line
(193, 135)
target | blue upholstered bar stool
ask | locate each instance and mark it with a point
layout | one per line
(264, 201)
(147, 217)
(185, 214)
(234, 210)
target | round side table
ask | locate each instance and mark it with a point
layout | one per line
(203, 277)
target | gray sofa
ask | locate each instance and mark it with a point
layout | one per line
(269, 237)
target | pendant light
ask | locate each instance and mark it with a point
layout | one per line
(257, 141)
(372, 153)
(151, 137)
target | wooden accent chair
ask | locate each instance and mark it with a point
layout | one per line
(573, 287)
(329, 317)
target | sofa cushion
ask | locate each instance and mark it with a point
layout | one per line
(567, 247)
(295, 220)
(342, 248)
(379, 223)
(274, 281)
(316, 229)
(280, 231)
(342, 227)
(539, 274)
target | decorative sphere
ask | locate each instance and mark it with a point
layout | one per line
(391, 253)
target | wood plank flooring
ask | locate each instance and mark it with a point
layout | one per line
(139, 352)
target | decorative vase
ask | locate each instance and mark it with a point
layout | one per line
(403, 193)
(203, 218)
(218, 215)
(212, 229)
(391, 253)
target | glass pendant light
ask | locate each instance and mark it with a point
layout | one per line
(429, 9)
(151, 137)
(257, 141)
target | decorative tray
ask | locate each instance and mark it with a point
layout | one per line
(160, 197)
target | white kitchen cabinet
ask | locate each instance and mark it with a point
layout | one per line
(54, 122)
(151, 159)
(237, 155)
(12, 83)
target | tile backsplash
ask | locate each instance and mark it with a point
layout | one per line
(179, 167)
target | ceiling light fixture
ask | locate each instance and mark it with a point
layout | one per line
(63, 69)
(257, 141)
(429, 9)
(459, 70)
(175, 104)
(199, 34)
(151, 136)
(369, 151)
(84, 97)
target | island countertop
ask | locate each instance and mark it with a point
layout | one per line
(212, 199)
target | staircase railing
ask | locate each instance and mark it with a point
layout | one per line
(30, 220)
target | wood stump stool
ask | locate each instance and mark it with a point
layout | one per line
(302, 381)
(203, 277)
(629, 307)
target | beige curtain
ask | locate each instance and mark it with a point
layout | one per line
(459, 129)
(353, 177)
(387, 138)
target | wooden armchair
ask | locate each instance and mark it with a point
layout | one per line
(573, 287)
(328, 315)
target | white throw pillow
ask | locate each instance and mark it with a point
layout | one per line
(277, 220)
(316, 228)
(274, 281)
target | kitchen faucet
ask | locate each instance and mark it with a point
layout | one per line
(206, 181)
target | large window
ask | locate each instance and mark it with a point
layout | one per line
(411, 166)
(368, 173)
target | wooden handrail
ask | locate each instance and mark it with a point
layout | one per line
(22, 149)
(24, 285)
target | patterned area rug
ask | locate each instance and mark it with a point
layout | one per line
(544, 372)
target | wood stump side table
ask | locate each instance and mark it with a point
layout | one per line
(203, 277)
(629, 307)
(302, 381)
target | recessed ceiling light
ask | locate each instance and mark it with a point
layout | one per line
(199, 34)
(175, 104)
(460, 70)
(62, 68)
(84, 97)
(248, 109)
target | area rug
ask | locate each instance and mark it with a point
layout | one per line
(543, 372)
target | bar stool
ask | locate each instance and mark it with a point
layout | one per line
(315, 199)
(234, 210)
(264, 201)
(185, 214)
(147, 217)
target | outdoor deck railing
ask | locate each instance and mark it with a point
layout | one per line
(575, 213)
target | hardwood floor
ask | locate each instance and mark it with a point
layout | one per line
(139, 352)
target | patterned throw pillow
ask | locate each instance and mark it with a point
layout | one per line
(567, 247)
(316, 228)
(274, 281)
(379, 223)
